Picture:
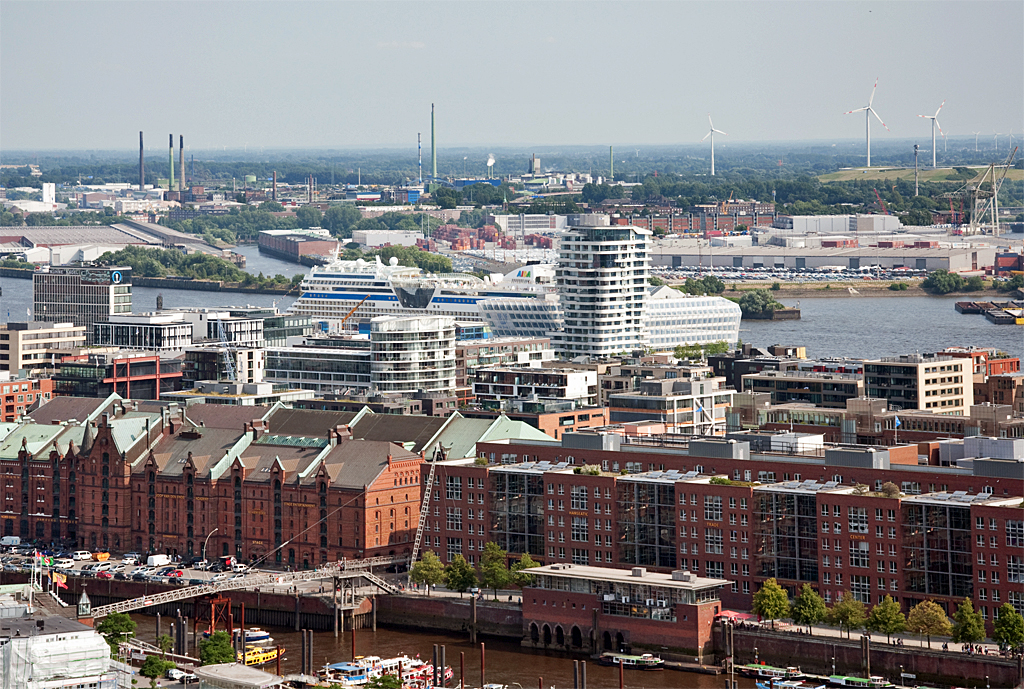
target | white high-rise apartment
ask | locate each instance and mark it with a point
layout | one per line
(602, 284)
(412, 354)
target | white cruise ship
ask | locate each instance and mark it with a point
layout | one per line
(354, 290)
(523, 303)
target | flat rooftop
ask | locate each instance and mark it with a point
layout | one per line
(680, 579)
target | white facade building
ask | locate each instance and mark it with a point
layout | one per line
(674, 318)
(412, 354)
(602, 284)
(386, 237)
(322, 369)
(547, 384)
(152, 332)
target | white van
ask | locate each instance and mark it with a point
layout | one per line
(10, 541)
(158, 560)
(81, 555)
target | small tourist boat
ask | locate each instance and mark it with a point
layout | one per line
(762, 671)
(789, 684)
(873, 682)
(414, 671)
(646, 661)
(256, 655)
(253, 635)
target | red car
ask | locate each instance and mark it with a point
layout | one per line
(104, 575)
(175, 573)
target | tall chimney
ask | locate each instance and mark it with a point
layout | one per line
(181, 163)
(275, 186)
(611, 163)
(419, 153)
(170, 158)
(142, 166)
(311, 188)
(433, 144)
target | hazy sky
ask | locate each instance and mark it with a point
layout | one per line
(90, 75)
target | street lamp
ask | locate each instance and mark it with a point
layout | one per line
(755, 655)
(901, 675)
(833, 665)
(208, 540)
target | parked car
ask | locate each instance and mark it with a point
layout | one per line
(81, 555)
(238, 567)
(129, 560)
(220, 576)
(119, 568)
(188, 678)
(174, 574)
(104, 575)
(63, 563)
(175, 674)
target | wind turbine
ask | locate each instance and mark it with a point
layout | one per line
(868, 112)
(995, 139)
(935, 123)
(712, 133)
(976, 141)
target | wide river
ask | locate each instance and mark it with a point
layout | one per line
(506, 662)
(844, 326)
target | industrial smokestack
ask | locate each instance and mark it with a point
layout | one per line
(274, 193)
(611, 163)
(170, 158)
(181, 163)
(142, 165)
(419, 153)
(433, 145)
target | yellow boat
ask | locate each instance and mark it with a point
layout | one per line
(255, 655)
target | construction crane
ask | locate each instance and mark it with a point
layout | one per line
(881, 202)
(229, 364)
(349, 314)
(983, 193)
(439, 455)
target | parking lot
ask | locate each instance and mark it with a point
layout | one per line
(787, 274)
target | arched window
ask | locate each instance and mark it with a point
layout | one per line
(238, 482)
(152, 477)
(106, 458)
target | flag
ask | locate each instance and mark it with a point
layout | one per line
(47, 561)
(60, 580)
(896, 423)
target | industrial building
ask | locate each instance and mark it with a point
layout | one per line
(307, 246)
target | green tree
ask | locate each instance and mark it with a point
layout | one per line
(1008, 628)
(217, 649)
(968, 627)
(655, 281)
(154, 667)
(115, 628)
(943, 282)
(340, 219)
(717, 347)
(309, 216)
(758, 301)
(771, 601)
(428, 571)
(165, 643)
(521, 570)
(928, 619)
(808, 607)
(494, 572)
(887, 618)
(847, 612)
(974, 283)
(459, 575)
(384, 682)
(446, 198)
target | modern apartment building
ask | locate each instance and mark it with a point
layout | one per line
(471, 355)
(602, 284)
(210, 362)
(830, 390)
(494, 385)
(941, 383)
(412, 354)
(154, 332)
(38, 344)
(81, 294)
(696, 406)
(323, 369)
(18, 394)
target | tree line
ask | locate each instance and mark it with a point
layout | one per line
(925, 619)
(493, 573)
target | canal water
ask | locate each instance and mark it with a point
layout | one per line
(506, 662)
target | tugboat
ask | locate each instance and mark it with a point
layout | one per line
(646, 661)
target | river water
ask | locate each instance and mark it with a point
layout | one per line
(845, 326)
(505, 661)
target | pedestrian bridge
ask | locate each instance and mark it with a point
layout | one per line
(343, 569)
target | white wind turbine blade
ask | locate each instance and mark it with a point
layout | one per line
(850, 112)
(705, 137)
(872, 111)
(873, 89)
(719, 131)
(939, 126)
(936, 115)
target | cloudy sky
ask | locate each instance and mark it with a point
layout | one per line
(90, 75)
